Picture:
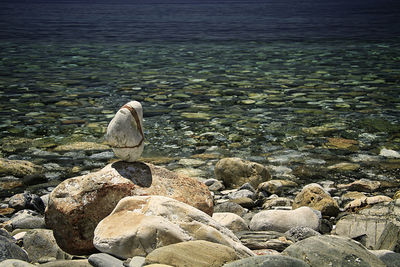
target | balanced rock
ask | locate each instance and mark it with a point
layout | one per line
(329, 250)
(284, 220)
(192, 253)
(78, 204)
(235, 171)
(140, 224)
(314, 196)
(125, 132)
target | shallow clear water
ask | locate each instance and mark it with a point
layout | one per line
(270, 81)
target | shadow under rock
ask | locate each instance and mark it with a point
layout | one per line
(138, 172)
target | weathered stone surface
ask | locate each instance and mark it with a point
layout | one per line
(300, 232)
(256, 240)
(235, 171)
(20, 168)
(268, 261)
(232, 221)
(125, 132)
(193, 253)
(27, 219)
(140, 224)
(277, 202)
(314, 196)
(232, 207)
(9, 250)
(15, 263)
(284, 220)
(26, 201)
(104, 260)
(378, 227)
(78, 204)
(67, 263)
(40, 243)
(362, 185)
(363, 202)
(329, 250)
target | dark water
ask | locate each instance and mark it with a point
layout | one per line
(267, 80)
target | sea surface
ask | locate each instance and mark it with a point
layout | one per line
(282, 82)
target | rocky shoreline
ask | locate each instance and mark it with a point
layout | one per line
(250, 218)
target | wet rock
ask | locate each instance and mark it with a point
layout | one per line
(104, 260)
(193, 253)
(232, 221)
(344, 166)
(314, 196)
(26, 201)
(9, 250)
(77, 204)
(235, 171)
(82, 146)
(390, 258)
(40, 243)
(21, 168)
(283, 220)
(140, 224)
(341, 143)
(27, 219)
(268, 260)
(258, 240)
(388, 153)
(300, 232)
(329, 250)
(125, 132)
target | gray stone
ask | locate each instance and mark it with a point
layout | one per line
(9, 250)
(125, 132)
(284, 220)
(268, 261)
(230, 206)
(300, 232)
(67, 263)
(40, 243)
(26, 201)
(256, 240)
(104, 260)
(241, 194)
(15, 263)
(277, 203)
(27, 219)
(5, 233)
(329, 250)
(137, 261)
(390, 258)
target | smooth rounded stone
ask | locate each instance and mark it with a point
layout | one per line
(40, 243)
(140, 224)
(247, 186)
(232, 221)
(314, 196)
(81, 146)
(125, 132)
(193, 253)
(344, 166)
(268, 261)
(241, 194)
(26, 201)
(214, 184)
(300, 232)
(78, 204)
(104, 260)
(136, 261)
(362, 185)
(389, 153)
(15, 263)
(232, 207)
(258, 240)
(284, 220)
(277, 203)
(9, 250)
(68, 263)
(21, 168)
(27, 219)
(235, 171)
(276, 186)
(329, 250)
(390, 258)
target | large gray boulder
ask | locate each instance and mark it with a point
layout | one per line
(329, 250)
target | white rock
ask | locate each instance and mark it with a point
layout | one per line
(125, 132)
(284, 220)
(140, 224)
(388, 153)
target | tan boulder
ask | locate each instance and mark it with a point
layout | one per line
(78, 204)
(140, 224)
(234, 172)
(314, 196)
